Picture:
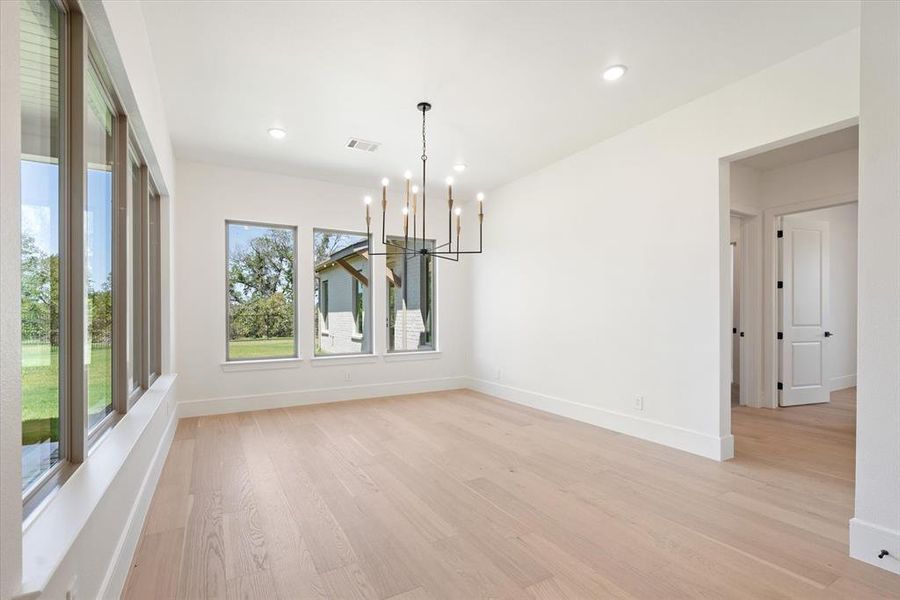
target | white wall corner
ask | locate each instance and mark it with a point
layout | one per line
(868, 540)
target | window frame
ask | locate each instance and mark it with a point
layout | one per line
(42, 486)
(367, 349)
(433, 347)
(294, 231)
(138, 227)
(94, 63)
(152, 201)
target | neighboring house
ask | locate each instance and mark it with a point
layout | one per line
(342, 300)
(342, 296)
(410, 303)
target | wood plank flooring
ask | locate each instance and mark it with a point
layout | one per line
(459, 495)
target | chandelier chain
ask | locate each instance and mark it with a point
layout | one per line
(424, 155)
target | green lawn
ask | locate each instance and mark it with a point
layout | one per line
(261, 348)
(40, 389)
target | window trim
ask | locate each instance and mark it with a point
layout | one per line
(294, 230)
(368, 323)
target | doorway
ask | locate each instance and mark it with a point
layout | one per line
(789, 328)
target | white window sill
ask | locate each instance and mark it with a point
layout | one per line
(412, 355)
(264, 364)
(343, 359)
(55, 526)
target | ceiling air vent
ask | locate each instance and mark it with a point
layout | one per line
(364, 145)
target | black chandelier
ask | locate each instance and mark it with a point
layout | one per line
(418, 246)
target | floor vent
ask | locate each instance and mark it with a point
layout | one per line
(364, 145)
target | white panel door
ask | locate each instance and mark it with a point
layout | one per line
(804, 311)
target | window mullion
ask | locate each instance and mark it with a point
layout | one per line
(119, 266)
(74, 377)
(142, 296)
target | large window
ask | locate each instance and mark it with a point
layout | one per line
(90, 238)
(261, 302)
(410, 299)
(341, 263)
(99, 151)
(42, 140)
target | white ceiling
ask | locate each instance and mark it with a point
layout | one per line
(829, 143)
(515, 86)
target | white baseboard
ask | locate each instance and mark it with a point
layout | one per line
(695, 442)
(114, 582)
(868, 539)
(842, 382)
(232, 404)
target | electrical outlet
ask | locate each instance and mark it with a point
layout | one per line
(638, 402)
(347, 376)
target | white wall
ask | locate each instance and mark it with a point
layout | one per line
(828, 176)
(630, 234)
(877, 514)
(208, 195)
(840, 357)
(10, 332)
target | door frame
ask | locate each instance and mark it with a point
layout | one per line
(750, 359)
(771, 217)
(725, 309)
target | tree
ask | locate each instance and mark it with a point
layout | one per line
(264, 268)
(100, 313)
(40, 293)
(261, 287)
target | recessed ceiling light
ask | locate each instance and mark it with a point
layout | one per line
(614, 72)
(459, 167)
(278, 134)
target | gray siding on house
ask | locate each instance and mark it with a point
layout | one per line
(338, 335)
(408, 300)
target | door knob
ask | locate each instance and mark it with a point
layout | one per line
(828, 334)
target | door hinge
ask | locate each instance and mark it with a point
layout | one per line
(779, 233)
(780, 335)
(780, 284)
(734, 330)
(780, 386)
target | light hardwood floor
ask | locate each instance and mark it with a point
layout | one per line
(459, 495)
